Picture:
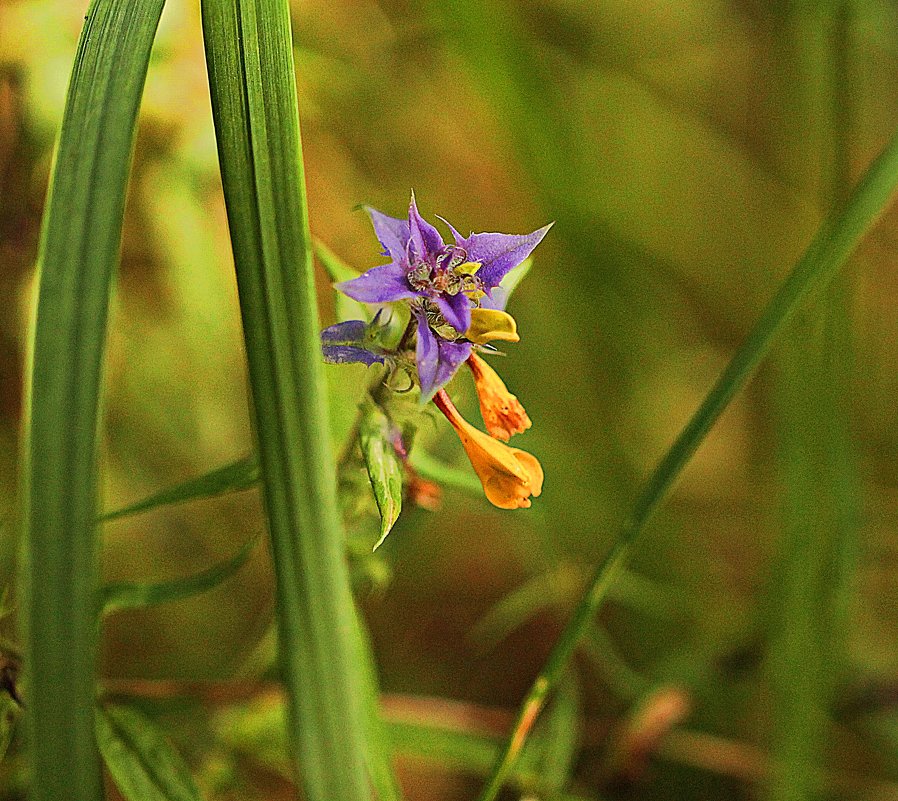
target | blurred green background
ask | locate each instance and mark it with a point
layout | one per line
(687, 151)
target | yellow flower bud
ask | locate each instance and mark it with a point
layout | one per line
(488, 325)
(502, 412)
(509, 476)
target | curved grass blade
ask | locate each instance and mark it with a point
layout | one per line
(830, 249)
(435, 470)
(251, 76)
(814, 570)
(130, 595)
(244, 474)
(383, 465)
(79, 249)
(338, 270)
(555, 743)
(240, 475)
(141, 761)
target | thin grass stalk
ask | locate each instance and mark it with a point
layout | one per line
(815, 456)
(250, 61)
(829, 250)
(78, 254)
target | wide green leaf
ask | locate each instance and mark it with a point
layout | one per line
(143, 763)
(79, 251)
(249, 52)
(828, 251)
(131, 595)
(380, 751)
(383, 465)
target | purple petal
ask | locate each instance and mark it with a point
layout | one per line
(437, 359)
(346, 354)
(392, 233)
(378, 285)
(457, 310)
(349, 331)
(499, 253)
(425, 238)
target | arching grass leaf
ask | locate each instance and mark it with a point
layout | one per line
(239, 475)
(338, 270)
(140, 759)
(130, 595)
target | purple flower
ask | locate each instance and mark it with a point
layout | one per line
(441, 282)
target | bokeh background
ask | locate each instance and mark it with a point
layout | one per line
(686, 150)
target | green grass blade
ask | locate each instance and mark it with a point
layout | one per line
(816, 462)
(338, 270)
(141, 761)
(251, 75)
(131, 595)
(380, 752)
(433, 469)
(244, 474)
(240, 475)
(79, 250)
(556, 741)
(829, 250)
(468, 751)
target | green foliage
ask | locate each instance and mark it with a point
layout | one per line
(141, 761)
(383, 465)
(79, 251)
(129, 595)
(556, 741)
(687, 158)
(233, 477)
(828, 252)
(251, 76)
(338, 270)
(10, 712)
(812, 373)
(433, 469)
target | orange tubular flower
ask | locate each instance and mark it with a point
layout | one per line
(509, 476)
(502, 412)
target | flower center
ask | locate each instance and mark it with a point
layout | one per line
(437, 321)
(447, 272)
